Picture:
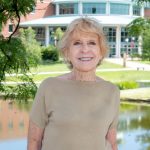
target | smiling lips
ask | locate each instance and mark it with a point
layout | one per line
(85, 58)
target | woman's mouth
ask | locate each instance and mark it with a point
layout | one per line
(85, 58)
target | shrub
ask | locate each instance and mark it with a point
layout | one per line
(21, 92)
(33, 48)
(127, 85)
(135, 55)
(50, 53)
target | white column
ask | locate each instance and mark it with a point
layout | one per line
(46, 35)
(107, 8)
(57, 9)
(80, 8)
(131, 9)
(118, 41)
(142, 11)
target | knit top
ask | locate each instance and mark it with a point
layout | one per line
(75, 115)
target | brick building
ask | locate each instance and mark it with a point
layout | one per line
(43, 9)
(114, 15)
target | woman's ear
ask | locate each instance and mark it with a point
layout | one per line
(100, 60)
(66, 56)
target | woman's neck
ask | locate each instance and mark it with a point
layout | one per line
(82, 76)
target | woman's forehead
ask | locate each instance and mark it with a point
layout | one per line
(80, 34)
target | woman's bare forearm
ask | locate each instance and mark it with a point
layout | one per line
(111, 137)
(35, 135)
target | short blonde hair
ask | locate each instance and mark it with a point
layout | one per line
(86, 25)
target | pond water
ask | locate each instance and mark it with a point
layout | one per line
(133, 129)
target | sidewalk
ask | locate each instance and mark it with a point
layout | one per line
(130, 64)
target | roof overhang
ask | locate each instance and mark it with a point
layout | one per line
(74, 1)
(65, 20)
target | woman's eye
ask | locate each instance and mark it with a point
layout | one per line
(92, 43)
(77, 43)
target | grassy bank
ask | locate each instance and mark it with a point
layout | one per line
(136, 95)
(113, 76)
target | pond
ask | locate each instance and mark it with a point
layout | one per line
(133, 129)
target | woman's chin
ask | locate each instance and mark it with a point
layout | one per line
(85, 69)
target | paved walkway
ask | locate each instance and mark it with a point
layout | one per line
(130, 64)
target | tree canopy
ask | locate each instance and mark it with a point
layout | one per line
(15, 56)
(13, 10)
(142, 1)
(138, 26)
(141, 27)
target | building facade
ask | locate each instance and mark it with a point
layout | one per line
(114, 15)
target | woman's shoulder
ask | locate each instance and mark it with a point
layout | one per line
(108, 84)
(52, 80)
(48, 81)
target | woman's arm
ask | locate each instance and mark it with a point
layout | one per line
(111, 137)
(35, 135)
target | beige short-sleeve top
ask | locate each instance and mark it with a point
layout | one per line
(75, 115)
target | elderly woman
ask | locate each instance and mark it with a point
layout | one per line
(78, 110)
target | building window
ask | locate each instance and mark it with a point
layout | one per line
(124, 34)
(110, 33)
(136, 10)
(40, 34)
(21, 124)
(71, 8)
(10, 124)
(94, 8)
(10, 28)
(42, 1)
(119, 9)
(147, 4)
(130, 46)
(0, 126)
(33, 10)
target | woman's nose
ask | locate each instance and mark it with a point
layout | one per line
(85, 47)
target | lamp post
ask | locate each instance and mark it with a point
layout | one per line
(127, 40)
(55, 40)
(125, 53)
(132, 47)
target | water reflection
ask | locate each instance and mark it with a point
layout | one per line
(13, 121)
(133, 129)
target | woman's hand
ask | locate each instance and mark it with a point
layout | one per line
(111, 137)
(35, 135)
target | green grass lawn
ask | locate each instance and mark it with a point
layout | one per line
(110, 76)
(48, 67)
(125, 75)
(113, 76)
(143, 62)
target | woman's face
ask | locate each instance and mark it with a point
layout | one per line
(84, 51)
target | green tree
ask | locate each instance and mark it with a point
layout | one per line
(141, 1)
(146, 45)
(59, 33)
(33, 48)
(14, 56)
(137, 26)
(12, 10)
(141, 27)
